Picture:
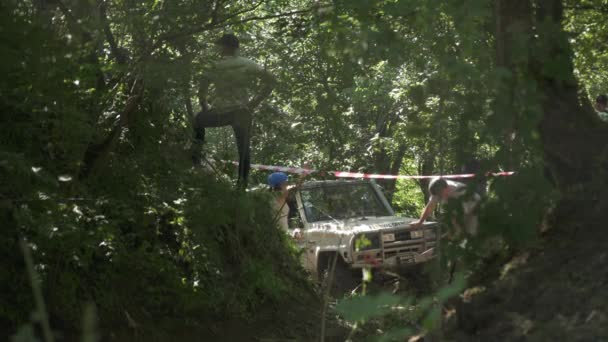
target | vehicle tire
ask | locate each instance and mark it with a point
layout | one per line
(345, 280)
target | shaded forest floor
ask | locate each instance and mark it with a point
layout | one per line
(295, 319)
(554, 293)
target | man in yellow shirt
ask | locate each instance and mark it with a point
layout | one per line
(239, 86)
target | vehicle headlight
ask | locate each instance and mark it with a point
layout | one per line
(367, 241)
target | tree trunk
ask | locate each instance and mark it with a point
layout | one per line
(96, 153)
(575, 141)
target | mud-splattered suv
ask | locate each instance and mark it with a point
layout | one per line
(354, 221)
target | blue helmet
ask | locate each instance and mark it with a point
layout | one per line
(277, 178)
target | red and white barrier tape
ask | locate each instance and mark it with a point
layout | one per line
(296, 170)
(341, 174)
(345, 174)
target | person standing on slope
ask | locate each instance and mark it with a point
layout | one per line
(239, 85)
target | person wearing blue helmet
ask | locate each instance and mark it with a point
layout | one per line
(278, 185)
(277, 179)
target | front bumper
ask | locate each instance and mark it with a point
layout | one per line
(400, 248)
(373, 259)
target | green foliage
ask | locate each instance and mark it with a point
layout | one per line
(25, 334)
(145, 235)
(390, 307)
(362, 242)
(587, 29)
(366, 307)
(95, 127)
(394, 335)
(503, 214)
(408, 199)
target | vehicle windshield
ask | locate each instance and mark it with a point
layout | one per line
(342, 201)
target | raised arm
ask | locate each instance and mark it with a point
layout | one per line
(428, 209)
(267, 84)
(203, 90)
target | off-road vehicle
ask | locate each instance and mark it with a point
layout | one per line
(353, 221)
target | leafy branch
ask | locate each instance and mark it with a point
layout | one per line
(600, 9)
(227, 21)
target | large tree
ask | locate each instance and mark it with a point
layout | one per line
(532, 46)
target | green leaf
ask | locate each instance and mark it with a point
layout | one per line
(432, 319)
(398, 334)
(365, 307)
(453, 289)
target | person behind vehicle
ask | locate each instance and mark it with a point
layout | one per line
(278, 182)
(240, 85)
(601, 106)
(442, 191)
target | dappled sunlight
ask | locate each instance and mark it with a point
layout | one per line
(445, 167)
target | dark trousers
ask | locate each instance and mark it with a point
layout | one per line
(240, 121)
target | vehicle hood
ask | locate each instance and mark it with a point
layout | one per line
(358, 225)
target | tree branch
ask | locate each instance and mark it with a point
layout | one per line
(189, 108)
(213, 24)
(118, 54)
(96, 153)
(600, 9)
(215, 11)
(274, 16)
(73, 25)
(227, 22)
(83, 36)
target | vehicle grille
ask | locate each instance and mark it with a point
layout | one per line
(401, 251)
(405, 246)
(402, 236)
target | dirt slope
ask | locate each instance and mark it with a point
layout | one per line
(557, 293)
